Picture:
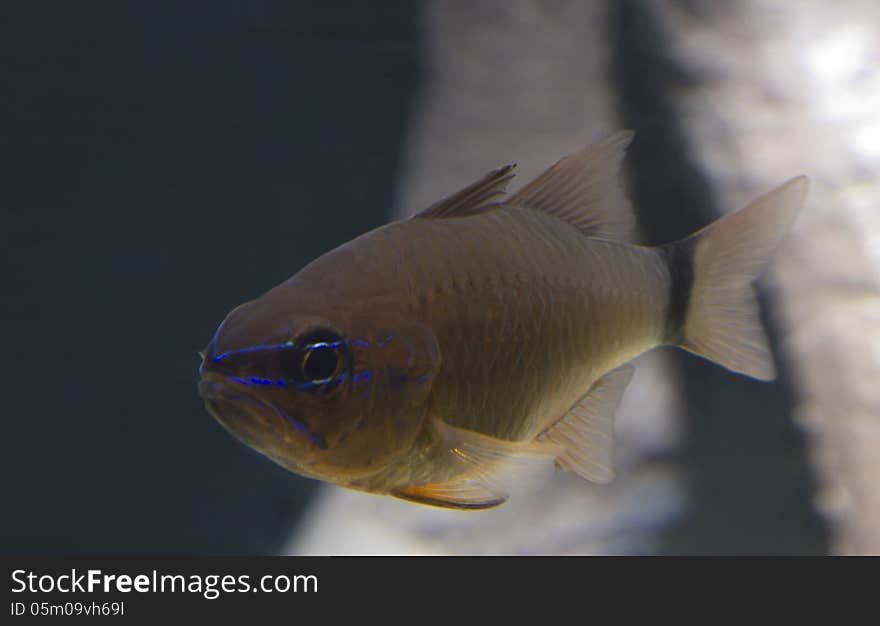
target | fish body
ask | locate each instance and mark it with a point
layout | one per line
(421, 358)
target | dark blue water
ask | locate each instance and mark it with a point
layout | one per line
(163, 162)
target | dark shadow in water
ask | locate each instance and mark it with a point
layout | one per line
(748, 482)
(163, 162)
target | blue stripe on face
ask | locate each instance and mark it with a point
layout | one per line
(278, 346)
(278, 380)
(306, 386)
(384, 340)
(253, 380)
(315, 437)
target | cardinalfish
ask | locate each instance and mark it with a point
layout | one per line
(421, 358)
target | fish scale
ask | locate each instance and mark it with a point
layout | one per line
(421, 359)
(545, 354)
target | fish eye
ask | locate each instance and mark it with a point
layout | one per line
(319, 362)
(320, 354)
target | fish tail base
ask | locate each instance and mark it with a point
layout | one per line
(713, 311)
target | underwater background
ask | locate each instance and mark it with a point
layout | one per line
(164, 162)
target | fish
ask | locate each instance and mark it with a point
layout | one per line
(422, 359)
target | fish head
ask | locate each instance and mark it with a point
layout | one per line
(337, 397)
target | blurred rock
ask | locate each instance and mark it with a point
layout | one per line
(778, 89)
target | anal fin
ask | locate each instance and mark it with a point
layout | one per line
(586, 433)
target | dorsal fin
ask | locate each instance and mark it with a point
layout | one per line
(584, 190)
(586, 433)
(473, 197)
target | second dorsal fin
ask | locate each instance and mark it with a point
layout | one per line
(584, 190)
(473, 197)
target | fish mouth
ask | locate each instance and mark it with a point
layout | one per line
(248, 417)
(245, 416)
(211, 389)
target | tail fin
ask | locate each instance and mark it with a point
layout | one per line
(713, 311)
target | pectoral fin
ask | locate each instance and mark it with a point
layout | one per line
(586, 433)
(484, 468)
(486, 454)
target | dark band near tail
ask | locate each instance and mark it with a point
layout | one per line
(680, 262)
(712, 307)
